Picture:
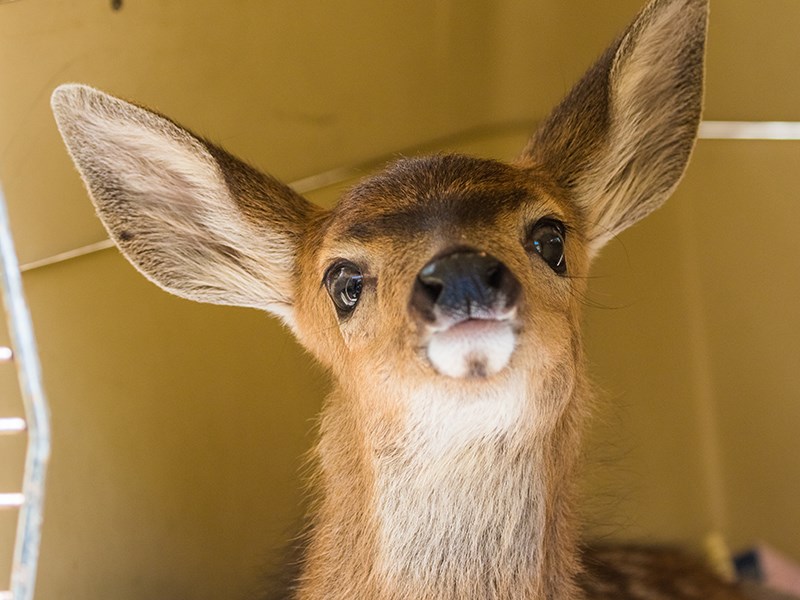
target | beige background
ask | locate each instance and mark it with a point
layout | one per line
(180, 428)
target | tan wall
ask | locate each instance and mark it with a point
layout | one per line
(696, 349)
(179, 428)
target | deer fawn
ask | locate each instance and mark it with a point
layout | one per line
(443, 295)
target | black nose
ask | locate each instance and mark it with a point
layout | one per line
(464, 284)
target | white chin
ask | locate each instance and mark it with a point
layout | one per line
(474, 348)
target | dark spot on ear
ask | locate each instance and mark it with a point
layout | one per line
(125, 236)
(234, 257)
(230, 253)
(116, 4)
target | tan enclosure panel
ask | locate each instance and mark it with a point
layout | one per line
(180, 428)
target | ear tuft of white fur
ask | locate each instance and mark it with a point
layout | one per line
(166, 198)
(620, 141)
(113, 141)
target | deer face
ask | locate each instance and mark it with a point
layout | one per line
(445, 268)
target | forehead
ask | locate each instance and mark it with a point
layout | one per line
(433, 192)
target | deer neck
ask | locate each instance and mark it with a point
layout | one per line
(471, 498)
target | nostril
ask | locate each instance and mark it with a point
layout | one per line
(495, 275)
(431, 288)
(508, 286)
(426, 293)
(500, 279)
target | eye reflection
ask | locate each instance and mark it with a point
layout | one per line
(547, 240)
(344, 282)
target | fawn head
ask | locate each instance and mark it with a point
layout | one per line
(443, 272)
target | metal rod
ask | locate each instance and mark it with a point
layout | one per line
(12, 425)
(750, 130)
(709, 130)
(11, 500)
(37, 417)
(68, 255)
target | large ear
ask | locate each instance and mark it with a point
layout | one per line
(620, 141)
(193, 219)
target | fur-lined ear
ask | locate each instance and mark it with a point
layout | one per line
(192, 218)
(620, 141)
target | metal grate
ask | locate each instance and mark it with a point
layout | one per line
(36, 424)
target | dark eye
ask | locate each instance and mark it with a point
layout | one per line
(546, 238)
(344, 282)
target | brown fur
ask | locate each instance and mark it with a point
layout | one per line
(641, 572)
(430, 486)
